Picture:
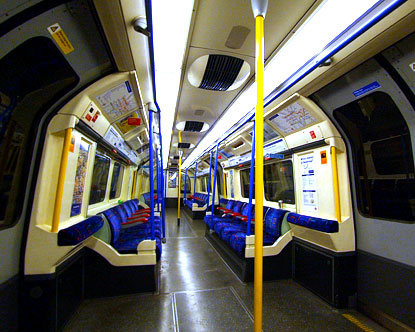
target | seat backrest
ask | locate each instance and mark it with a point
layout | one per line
(245, 209)
(120, 209)
(273, 220)
(223, 202)
(229, 204)
(238, 207)
(77, 233)
(127, 207)
(319, 224)
(114, 221)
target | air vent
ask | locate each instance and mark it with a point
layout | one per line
(221, 71)
(237, 145)
(192, 126)
(218, 72)
(183, 145)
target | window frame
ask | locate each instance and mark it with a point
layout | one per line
(109, 177)
(112, 176)
(274, 162)
(355, 159)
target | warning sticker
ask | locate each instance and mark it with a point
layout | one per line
(60, 38)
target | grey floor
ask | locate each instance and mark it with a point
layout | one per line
(199, 293)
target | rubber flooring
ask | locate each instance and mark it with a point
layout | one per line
(199, 293)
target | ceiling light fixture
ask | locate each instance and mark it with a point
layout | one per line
(169, 49)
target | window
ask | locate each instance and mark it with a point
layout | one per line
(188, 184)
(33, 76)
(382, 156)
(116, 182)
(219, 177)
(80, 175)
(245, 178)
(279, 182)
(99, 179)
(203, 187)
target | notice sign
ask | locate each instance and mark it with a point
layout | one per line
(309, 183)
(60, 38)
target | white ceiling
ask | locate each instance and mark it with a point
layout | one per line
(214, 21)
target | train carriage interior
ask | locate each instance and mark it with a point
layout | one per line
(207, 165)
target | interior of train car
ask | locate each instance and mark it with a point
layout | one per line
(207, 165)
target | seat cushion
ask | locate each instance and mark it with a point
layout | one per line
(129, 246)
(273, 220)
(79, 232)
(220, 225)
(227, 231)
(319, 224)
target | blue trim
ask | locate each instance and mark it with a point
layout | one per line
(210, 178)
(151, 164)
(251, 182)
(214, 179)
(185, 183)
(293, 79)
(297, 76)
(194, 181)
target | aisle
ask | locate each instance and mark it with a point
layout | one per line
(199, 293)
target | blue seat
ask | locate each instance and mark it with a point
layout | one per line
(79, 232)
(319, 224)
(272, 231)
(126, 241)
(212, 220)
(225, 231)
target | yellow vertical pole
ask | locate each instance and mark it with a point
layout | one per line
(140, 185)
(180, 181)
(224, 186)
(61, 180)
(259, 8)
(134, 184)
(333, 151)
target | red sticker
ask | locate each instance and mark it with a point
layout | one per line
(313, 134)
(134, 121)
(88, 117)
(95, 117)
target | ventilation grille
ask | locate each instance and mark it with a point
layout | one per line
(221, 72)
(143, 148)
(193, 126)
(183, 145)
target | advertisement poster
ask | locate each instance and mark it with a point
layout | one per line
(309, 183)
(80, 178)
(172, 179)
(232, 192)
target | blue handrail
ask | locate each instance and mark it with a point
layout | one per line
(185, 184)
(151, 169)
(194, 183)
(251, 182)
(210, 178)
(214, 179)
